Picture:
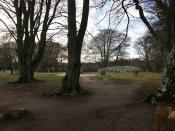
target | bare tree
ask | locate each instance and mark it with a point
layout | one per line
(31, 20)
(105, 46)
(148, 50)
(53, 52)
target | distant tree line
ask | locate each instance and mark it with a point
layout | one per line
(149, 51)
(54, 55)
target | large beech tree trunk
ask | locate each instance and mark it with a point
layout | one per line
(26, 72)
(70, 83)
(166, 92)
(28, 64)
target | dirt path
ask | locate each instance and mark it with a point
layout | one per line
(110, 107)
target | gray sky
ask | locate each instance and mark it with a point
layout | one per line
(136, 29)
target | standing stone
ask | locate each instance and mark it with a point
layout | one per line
(162, 113)
(171, 122)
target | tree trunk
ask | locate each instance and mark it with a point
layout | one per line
(166, 92)
(147, 65)
(12, 69)
(26, 72)
(25, 65)
(70, 83)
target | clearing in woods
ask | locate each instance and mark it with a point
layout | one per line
(113, 105)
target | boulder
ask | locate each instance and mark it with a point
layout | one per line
(13, 115)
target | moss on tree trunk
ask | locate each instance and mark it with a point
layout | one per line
(166, 92)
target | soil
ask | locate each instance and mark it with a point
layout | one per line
(111, 106)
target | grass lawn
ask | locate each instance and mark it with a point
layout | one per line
(125, 77)
(145, 77)
(49, 78)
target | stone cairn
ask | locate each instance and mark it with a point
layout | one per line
(120, 69)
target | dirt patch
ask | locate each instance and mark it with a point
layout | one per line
(110, 107)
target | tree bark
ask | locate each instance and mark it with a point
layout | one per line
(70, 83)
(166, 92)
(25, 75)
(26, 71)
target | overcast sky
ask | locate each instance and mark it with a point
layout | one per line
(136, 28)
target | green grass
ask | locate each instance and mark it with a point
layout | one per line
(152, 78)
(49, 78)
(54, 79)
(7, 77)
